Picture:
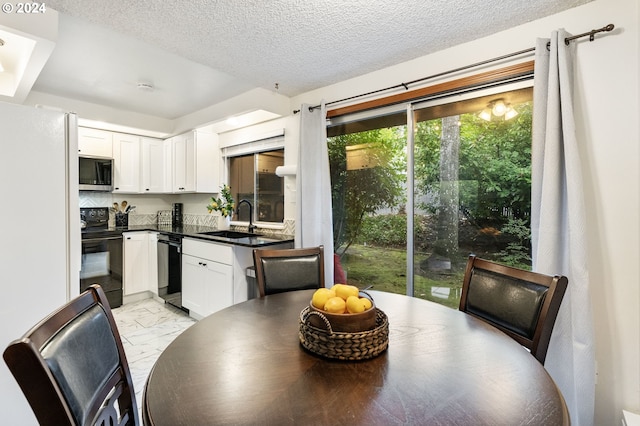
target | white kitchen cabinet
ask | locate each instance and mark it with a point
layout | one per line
(208, 162)
(126, 163)
(207, 277)
(136, 262)
(168, 165)
(194, 288)
(184, 163)
(205, 287)
(95, 142)
(214, 275)
(190, 162)
(154, 172)
(196, 162)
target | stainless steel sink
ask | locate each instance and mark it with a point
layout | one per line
(230, 234)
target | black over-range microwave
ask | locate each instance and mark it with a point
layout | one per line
(96, 173)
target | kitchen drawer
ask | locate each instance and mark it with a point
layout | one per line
(222, 253)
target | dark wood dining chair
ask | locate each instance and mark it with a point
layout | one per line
(72, 368)
(521, 303)
(280, 270)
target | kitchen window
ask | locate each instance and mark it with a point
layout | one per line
(410, 206)
(253, 177)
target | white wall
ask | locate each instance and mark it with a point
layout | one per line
(608, 114)
(608, 124)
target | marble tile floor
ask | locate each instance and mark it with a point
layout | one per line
(146, 328)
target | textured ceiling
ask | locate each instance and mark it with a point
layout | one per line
(229, 46)
(94, 64)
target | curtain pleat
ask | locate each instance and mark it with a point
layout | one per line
(314, 222)
(559, 244)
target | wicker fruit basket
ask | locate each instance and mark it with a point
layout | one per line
(348, 346)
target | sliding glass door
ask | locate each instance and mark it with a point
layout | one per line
(368, 176)
(472, 189)
(415, 193)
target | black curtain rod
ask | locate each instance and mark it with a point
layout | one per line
(567, 40)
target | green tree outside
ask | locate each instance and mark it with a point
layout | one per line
(360, 192)
(493, 191)
(495, 165)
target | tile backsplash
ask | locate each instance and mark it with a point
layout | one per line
(152, 210)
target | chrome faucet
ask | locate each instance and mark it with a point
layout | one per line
(252, 227)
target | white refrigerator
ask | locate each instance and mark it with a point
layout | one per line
(40, 256)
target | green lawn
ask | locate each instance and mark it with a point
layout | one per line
(385, 269)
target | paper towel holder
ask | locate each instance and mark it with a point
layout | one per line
(290, 170)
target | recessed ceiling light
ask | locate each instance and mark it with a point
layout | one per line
(145, 87)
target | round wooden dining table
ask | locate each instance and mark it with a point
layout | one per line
(244, 365)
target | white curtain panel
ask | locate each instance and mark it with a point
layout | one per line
(558, 224)
(314, 223)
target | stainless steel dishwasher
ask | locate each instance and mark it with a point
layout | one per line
(170, 269)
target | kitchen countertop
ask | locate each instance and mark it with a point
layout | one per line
(195, 231)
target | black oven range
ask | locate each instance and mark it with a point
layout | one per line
(101, 254)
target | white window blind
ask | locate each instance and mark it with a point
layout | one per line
(269, 143)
